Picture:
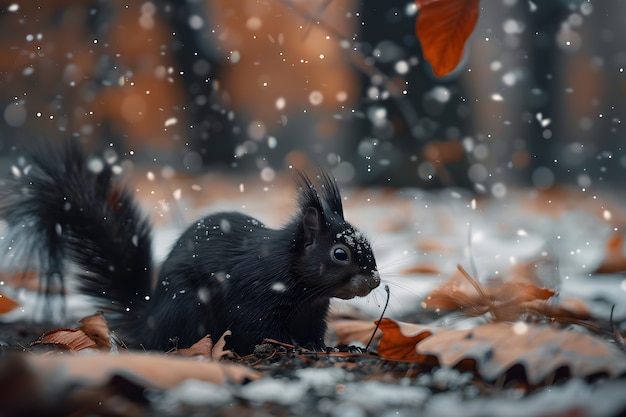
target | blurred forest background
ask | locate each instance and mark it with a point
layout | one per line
(251, 85)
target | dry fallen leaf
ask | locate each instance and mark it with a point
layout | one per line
(518, 296)
(7, 304)
(93, 334)
(423, 268)
(218, 350)
(503, 300)
(443, 27)
(348, 332)
(492, 349)
(96, 327)
(399, 339)
(540, 349)
(71, 339)
(565, 311)
(158, 370)
(205, 347)
(615, 260)
(27, 391)
(430, 245)
(202, 347)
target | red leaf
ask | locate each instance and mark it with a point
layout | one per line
(7, 304)
(396, 345)
(443, 27)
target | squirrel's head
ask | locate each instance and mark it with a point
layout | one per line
(335, 258)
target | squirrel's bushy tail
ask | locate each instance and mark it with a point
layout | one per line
(66, 214)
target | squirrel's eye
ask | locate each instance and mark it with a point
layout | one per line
(340, 254)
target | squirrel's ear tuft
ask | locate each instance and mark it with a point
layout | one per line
(330, 192)
(311, 223)
(327, 200)
(308, 195)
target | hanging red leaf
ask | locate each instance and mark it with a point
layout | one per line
(443, 27)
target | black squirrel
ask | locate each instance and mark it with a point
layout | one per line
(227, 271)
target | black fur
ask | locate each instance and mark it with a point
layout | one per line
(58, 210)
(227, 271)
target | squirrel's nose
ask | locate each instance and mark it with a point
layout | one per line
(375, 279)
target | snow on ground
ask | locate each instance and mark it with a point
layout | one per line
(410, 228)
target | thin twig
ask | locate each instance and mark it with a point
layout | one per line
(619, 340)
(379, 320)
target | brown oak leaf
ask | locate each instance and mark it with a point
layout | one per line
(492, 350)
(507, 300)
(540, 349)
